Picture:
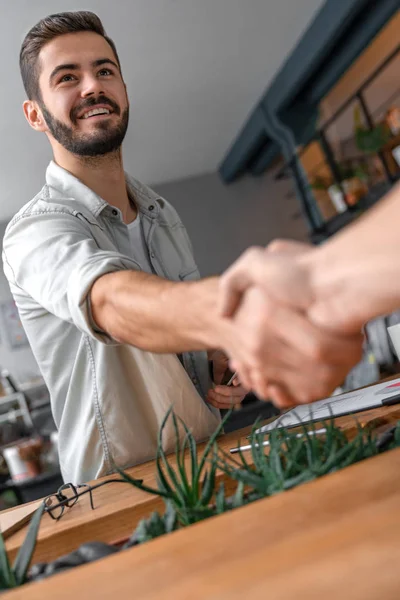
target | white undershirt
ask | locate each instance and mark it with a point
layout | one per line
(138, 244)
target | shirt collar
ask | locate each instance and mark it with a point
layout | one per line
(61, 180)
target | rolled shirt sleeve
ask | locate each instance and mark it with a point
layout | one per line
(54, 258)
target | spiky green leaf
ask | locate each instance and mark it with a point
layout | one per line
(24, 556)
(7, 579)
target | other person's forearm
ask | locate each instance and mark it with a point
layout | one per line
(158, 315)
(356, 274)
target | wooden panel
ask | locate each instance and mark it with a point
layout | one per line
(335, 537)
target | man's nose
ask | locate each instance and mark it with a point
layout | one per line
(91, 86)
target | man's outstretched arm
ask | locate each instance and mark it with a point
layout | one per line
(268, 337)
(158, 315)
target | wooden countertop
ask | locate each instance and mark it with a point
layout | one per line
(119, 507)
(336, 537)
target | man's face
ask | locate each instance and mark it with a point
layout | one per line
(83, 96)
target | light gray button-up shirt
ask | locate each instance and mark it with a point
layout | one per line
(108, 399)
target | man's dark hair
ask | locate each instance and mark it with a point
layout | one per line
(48, 29)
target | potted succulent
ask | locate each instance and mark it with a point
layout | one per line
(353, 183)
(353, 179)
(380, 138)
(370, 141)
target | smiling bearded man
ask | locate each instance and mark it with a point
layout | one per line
(102, 271)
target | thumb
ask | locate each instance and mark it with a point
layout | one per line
(248, 270)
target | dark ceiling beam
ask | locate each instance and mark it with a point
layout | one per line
(335, 38)
(367, 26)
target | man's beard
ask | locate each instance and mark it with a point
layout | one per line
(105, 139)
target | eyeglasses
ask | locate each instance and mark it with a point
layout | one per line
(68, 494)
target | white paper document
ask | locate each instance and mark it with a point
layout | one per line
(336, 406)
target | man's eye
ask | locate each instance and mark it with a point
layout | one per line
(65, 78)
(105, 72)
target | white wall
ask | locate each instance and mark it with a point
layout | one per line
(222, 220)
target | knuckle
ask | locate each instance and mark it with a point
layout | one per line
(277, 245)
(253, 255)
(254, 251)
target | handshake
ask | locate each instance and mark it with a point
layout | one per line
(296, 324)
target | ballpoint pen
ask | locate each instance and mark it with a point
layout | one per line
(230, 382)
(266, 442)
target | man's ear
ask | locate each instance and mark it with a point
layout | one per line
(34, 116)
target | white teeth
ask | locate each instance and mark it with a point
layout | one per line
(96, 111)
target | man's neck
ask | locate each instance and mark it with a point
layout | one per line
(104, 175)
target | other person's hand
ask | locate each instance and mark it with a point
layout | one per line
(280, 353)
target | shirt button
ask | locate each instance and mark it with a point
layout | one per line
(152, 255)
(151, 207)
(114, 212)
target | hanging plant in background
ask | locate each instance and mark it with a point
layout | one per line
(368, 140)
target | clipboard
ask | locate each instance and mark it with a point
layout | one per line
(374, 396)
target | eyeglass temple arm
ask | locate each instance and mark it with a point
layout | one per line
(88, 490)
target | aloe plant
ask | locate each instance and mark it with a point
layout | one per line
(290, 461)
(155, 526)
(294, 459)
(188, 490)
(16, 575)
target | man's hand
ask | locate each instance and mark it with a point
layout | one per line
(281, 354)
(223, 396)
(220, 363)
(281, 347)
(226, 396)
